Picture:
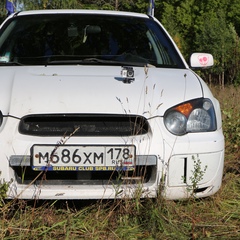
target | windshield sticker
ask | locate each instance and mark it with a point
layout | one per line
(4, 59)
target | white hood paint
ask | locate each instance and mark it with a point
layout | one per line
(94, 89)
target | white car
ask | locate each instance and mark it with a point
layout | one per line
(101, 104)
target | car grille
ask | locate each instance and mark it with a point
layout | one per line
(83, 125)
(142, 174)
(145, 171)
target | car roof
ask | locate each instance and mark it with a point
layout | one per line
(82, 11)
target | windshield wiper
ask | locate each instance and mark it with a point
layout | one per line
(75, 61)
(10, 64)
(93, 60)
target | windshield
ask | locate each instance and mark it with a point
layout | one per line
(85, 39)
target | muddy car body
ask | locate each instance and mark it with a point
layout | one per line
(101, 104)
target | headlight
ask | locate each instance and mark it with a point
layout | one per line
(194, 116)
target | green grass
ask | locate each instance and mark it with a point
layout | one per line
(216, 217)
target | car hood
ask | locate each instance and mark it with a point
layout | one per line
(94, 89)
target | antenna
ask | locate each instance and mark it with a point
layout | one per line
(151, 8)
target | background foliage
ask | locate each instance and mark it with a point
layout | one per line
(196, 25)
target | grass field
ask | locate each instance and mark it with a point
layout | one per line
(216, 217)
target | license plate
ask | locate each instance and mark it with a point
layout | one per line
(83, 158)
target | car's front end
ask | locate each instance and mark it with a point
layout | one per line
(103, 125)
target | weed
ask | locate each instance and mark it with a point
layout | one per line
(215, 217)
(196, 176)
(3, 191)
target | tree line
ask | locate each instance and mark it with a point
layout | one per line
(211, 26)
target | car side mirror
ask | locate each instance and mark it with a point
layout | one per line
(90, 29)
(201, 60)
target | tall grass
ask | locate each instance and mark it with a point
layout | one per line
(216, 217)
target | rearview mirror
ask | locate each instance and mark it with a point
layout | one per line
(90, 29)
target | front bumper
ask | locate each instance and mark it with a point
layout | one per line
(166, 161)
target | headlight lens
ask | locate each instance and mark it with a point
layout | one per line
(194, 116)
(176, 123)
